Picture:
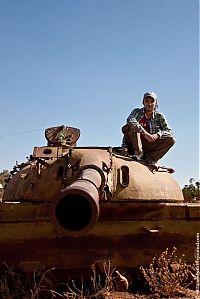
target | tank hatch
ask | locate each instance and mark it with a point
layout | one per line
(62, 135)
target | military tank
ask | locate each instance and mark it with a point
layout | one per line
(70, 207)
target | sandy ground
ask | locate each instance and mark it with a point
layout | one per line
(120, 295)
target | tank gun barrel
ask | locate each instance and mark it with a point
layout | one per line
(76, 208)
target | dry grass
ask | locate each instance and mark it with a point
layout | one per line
(167, 276)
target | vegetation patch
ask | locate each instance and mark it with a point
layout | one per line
(169, 276)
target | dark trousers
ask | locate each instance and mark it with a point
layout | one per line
(152, 151)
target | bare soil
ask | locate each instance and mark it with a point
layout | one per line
(125, 295)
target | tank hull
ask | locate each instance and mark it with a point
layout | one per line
(127, 234)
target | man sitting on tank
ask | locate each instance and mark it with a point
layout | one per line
(147, 134)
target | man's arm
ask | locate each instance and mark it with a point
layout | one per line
(151, 137)
(165, 130)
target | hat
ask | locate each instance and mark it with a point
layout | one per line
(150, 94)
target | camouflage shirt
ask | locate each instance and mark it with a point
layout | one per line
(157, 123)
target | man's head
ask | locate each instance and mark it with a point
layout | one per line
(150, 101)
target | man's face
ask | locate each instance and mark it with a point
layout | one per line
(149, 104)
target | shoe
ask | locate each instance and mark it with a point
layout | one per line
(137, 157)
(121, 150)
(151, 163)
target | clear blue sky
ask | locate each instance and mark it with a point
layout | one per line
(87, 63)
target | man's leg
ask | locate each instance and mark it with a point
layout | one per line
(154, 151)
(132, 140)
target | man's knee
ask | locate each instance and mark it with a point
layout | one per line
(170, 140)
(128, 128)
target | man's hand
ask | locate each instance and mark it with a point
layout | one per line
(151, 137)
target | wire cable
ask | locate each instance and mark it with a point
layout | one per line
(21, 133)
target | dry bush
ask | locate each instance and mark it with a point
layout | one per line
(169, 275)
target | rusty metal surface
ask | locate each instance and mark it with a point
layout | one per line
(62, 135)
(124, 251)
(135, 241)
(39, 181)
(76, 208)
(145, 184)
(47, 152)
